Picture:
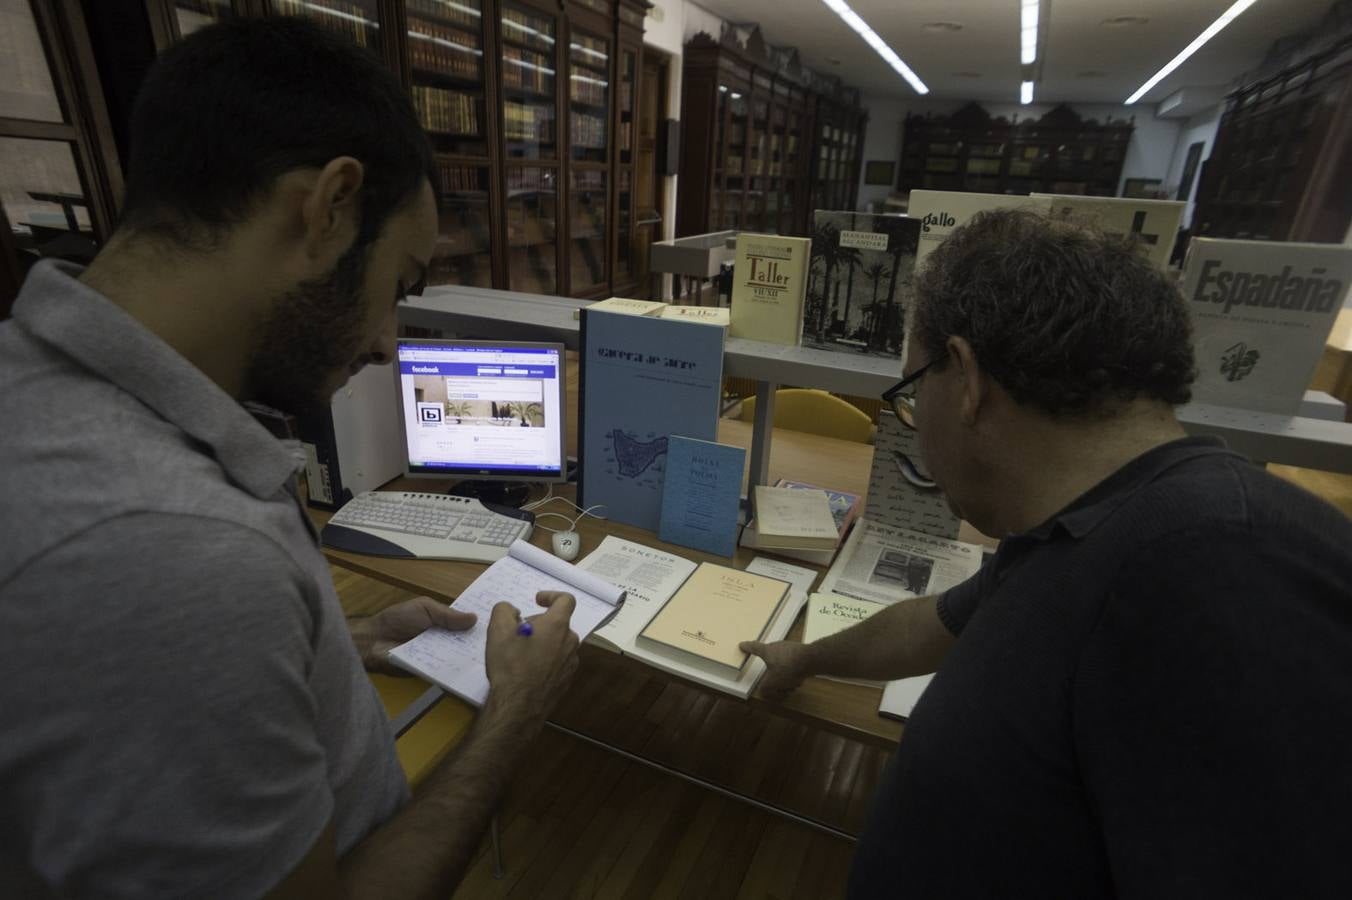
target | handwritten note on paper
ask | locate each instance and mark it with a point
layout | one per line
(896, 500)
(456, 659)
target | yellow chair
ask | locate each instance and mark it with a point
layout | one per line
(426, 731)
(816, 412)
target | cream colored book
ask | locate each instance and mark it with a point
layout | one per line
(713, 612)
(768, 286)
(829, 613)
(794, 519)
(714, 315)
(940, 212)
(624, 305)
(1152, 222)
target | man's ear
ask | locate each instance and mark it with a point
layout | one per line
(332, 209)
(971, 379)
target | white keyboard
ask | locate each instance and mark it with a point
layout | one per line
(426, 526)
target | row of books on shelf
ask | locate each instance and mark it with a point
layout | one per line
(445, 111)
(526, 71)
(589, 51)
(443, 49)
(528, 29)
(524, 122)
(459, 12)
(529, 179)
(587, 131)
(583, 89)
(459, 179)
(348, 19)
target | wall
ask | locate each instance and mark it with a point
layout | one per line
(1201, 127)
(668, 36)
(1149, 155)
(882, 141)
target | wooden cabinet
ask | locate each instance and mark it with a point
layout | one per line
(1282, 159)
(1058, 153)
(530, 106)
(757, 130)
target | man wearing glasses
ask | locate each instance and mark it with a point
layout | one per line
(1147, 691)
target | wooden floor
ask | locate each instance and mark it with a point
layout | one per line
(580, 821)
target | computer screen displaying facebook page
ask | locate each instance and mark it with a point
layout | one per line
(480, 409)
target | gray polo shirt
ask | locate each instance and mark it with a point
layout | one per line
(182, 709)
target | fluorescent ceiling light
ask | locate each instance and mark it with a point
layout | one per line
(1212, 30)
(1026, 93)
(1028, 32)
(842, 9)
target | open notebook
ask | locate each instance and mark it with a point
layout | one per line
(455, 659)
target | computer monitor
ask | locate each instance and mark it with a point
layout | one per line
(482, 410)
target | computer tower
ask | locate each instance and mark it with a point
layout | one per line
(356, 444)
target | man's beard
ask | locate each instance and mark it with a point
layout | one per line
(314, 331)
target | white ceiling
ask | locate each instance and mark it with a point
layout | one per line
(1073, 41)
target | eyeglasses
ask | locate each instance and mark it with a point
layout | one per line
(902, 395)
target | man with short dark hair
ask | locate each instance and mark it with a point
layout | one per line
(1147, 691)
(184, 708)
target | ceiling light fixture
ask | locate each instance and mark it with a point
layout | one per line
(1028, 32)
(851, 18)
(1212, 30)
(1026, 93)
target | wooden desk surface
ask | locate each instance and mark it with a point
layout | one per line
(848, 709)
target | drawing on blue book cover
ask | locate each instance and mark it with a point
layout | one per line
(633, 456)
(643, 380)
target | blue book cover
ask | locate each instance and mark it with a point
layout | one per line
(701, 495)
(643, 379)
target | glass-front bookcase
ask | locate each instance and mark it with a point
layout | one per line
(445, 45)
(529, 40)
(531, 108)
(752, 143)
(589, 63)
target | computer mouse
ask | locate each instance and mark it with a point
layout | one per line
(566, 544)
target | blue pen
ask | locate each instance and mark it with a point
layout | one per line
(525, 629)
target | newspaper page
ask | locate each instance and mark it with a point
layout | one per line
(886, 564)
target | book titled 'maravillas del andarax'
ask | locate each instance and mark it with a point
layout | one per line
(1261, 313)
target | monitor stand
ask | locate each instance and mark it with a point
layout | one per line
(501, 493)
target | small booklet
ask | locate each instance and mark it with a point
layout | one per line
(885, 564)
(455, 659)
(901, 696)
(712, 613)
(794, 519)
(701, 495)
(649, 577)
(830, 613)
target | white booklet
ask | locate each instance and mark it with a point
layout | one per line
(652, 576)
(886, 564)
(901, 696)
(455, 659)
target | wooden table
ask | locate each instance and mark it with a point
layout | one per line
(848, 709)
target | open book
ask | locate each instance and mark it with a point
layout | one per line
(455, 659)
(651, 577)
